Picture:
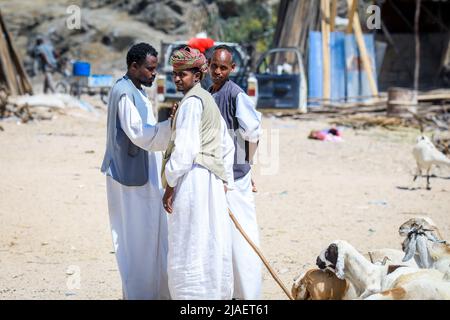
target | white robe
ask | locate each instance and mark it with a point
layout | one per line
(247, 266)
(138, 222)
(199, 258)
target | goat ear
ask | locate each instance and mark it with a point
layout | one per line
(332, 253)
(422, 249)
(409, 246)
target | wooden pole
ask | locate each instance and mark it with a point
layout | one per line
(325, 6)
(6, 63)
(333, 15)
(363, 52)
(23, 82)
(417, 38)
(352, 6)
(258, 252)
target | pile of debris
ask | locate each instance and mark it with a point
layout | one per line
(442, 141)
(431, 113)
(45, 107)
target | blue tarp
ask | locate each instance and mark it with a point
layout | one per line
(352, 67)
(365, 86)
(315, 76)
(348, 79)
(337, 66)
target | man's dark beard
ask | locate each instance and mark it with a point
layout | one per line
(148, 83)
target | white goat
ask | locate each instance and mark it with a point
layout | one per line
(316, 284)
(424, 242)
(427, 155)
(426, 284)
(367, 278)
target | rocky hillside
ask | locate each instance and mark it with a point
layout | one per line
(108, 27)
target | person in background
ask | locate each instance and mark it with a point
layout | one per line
(47, 63)
(244, 125)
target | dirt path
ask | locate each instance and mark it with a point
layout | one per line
(55, 228)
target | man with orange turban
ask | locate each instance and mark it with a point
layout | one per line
(198, 168)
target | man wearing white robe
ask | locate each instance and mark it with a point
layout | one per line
(199, 258)
(244, 125)
(134, 190)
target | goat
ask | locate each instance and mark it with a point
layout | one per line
(427, 155)
(423, 241)
(347, 263)
(422, 285)
(316, 284)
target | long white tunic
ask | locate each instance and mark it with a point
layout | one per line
(199, 258)
(138, 222)
(247, 266)
(249, 118)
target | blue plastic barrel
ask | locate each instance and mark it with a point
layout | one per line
(81, 69)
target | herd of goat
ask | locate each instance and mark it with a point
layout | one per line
(421, 271)
(386, 274)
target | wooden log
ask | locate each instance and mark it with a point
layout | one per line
(352, 6)
(433, 96)
(402, 102)
(23, 82)
(363, 52)
(325, 10)
(333, 15)
(6, 63)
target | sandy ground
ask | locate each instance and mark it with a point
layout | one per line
(55, 241)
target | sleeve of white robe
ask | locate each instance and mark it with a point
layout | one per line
(148, 137)
(187, 140)
(228, 154)
(249, 119)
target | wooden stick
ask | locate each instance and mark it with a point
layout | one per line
(333, 15)
(24, 84)
(325, 5)
(435, 96)
(258, 252)
(352, 6)
(5, 61)
(363, 52)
